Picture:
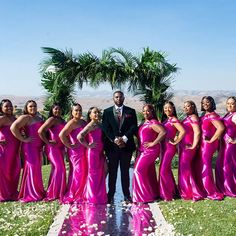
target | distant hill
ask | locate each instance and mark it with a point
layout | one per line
(103, 99)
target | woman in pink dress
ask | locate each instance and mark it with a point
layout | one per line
(92, 138)
(150, 133)
(187, 152)
(55, 151)
(175, 133)
(25, 129)
(9, 154)
(226, 162)
(76, 155)
(212, 128)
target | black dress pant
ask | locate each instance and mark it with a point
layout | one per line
(116, 157)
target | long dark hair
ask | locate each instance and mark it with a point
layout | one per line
(50, 114)
(212, 102)
(152, 109)
(231, 97)
(2, 102)
(89, 112)
(192, 103)
(164, 116)
(25, 111)
(74, 105)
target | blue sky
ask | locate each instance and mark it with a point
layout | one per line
(199, 36)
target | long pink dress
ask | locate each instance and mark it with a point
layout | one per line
(95, 188)
(55, 154)
(31, 188)
(188, 188)
(9, 165)
(78, 169)
(208, 186)
(168, 188)
(226, 162)
(145, 185)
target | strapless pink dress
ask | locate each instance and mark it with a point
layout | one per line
(226, 162)
(168, 188)
(95, 187)
(55, 153)
(78, 169)
(31, 188)
(9, 165)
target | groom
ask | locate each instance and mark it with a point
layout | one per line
(120, 125)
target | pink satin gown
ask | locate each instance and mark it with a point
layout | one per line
(204, 167)
(95, 188)
(145, 185)
(31, 188)
(168, 188)
(55, 154)
(226, 162)
(78, 169)
(188, 188)
(9, 165)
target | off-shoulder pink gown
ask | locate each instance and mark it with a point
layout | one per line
(204, 167)
(226, 162)
(95, 187)
(145, 184)
(78, 169)
(31, 188)
(9, 165)
(188, 188)
(55, 154)
(168, 188)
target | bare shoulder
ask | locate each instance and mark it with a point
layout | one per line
(194, 118)
(234, 118)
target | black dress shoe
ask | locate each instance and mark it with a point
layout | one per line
(128, 199)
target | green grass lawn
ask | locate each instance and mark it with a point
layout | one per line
(28, 218)
(204, 218)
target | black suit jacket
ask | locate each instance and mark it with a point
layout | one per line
(128, 127)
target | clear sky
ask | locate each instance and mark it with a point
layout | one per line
(198, 35)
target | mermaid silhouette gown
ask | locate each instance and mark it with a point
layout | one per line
(78, 169)
(204, 163)
(226, 162)
(145, 185)
(168, 188)
(9, 165)
(188, 188)
(55, 154)
(31, 188)
(95, 188)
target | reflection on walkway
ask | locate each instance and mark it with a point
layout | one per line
(117, 219)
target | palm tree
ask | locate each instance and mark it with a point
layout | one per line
(60, 73)
(148, 75)
(152, 78)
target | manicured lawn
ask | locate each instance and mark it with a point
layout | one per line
(208, 218)
(28, 218)
(205, 218)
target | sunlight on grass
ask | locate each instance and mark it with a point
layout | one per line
(28, 218)
(205, 218)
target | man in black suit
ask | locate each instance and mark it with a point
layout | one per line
(120, 125)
